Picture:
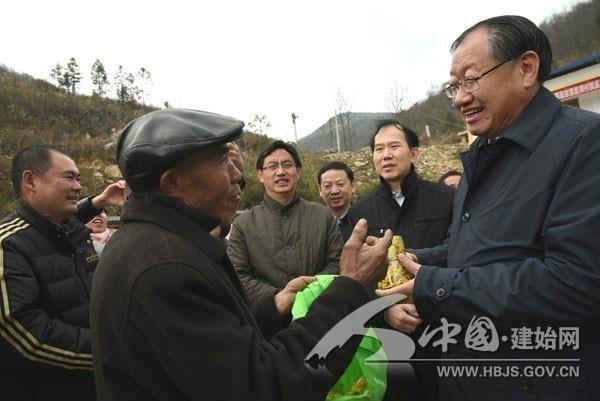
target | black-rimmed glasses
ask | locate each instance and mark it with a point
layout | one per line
(470, 84)
(274, 166)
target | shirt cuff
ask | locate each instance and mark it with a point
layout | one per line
(432, 290)
(268, 317)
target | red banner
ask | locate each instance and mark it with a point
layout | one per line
(578, 89)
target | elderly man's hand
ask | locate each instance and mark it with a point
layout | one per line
(365, 259)
(403, 317)
(284, 299)
(113, 195)
(408, 262)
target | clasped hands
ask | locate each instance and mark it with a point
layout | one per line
(403, 317)
(365, 260)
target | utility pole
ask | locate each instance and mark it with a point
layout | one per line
(294, 118)
(337, 134)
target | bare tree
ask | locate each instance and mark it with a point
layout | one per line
(259, 124)
(125, 88)
(145, 83)
(397, 98)
(344, 119)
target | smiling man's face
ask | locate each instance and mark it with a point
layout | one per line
(280, 182)
(500, 96)
(55, 192)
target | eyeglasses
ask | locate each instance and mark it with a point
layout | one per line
(285, 165)
(469, 85)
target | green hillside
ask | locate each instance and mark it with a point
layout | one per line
(33, 111)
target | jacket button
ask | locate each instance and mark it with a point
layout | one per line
(527, 385)
(440, 292)
(465, 217)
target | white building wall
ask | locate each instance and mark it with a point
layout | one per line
(588, 101)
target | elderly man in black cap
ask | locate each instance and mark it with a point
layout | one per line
(170, 320)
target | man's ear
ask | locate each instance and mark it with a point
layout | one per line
(414, 154)
(529, 65)
(319, 189)
(259, 174)
(28, 181)
(168, 183)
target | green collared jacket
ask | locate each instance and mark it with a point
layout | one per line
(272, 243)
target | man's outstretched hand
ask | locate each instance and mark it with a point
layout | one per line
(364, 259)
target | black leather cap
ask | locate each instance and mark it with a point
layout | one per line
(156, 141)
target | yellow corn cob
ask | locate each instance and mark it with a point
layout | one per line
(395, 273)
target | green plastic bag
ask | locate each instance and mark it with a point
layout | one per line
(361, 381)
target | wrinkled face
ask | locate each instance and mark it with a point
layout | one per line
(56, 192)
(279, 174)
(392, 155)
(452, 181)
(491, 109)
(336, 189)
(98, 224)
(209, 181)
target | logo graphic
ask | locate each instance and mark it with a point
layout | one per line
(481, 335)
(397, 345)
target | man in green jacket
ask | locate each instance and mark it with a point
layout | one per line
(285, 236)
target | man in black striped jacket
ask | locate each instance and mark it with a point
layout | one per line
(46, 267)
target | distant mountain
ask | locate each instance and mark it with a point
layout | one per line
(354, 131)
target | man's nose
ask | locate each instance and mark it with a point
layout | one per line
(461, 97)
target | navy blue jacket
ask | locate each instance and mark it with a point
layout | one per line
(524, 247)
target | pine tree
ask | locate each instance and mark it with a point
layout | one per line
(99, 78)
(57, 74)
(72, 75)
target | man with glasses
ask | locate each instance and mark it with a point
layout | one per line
(523, 246)
(285, 236)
